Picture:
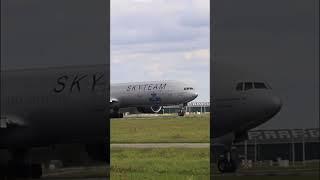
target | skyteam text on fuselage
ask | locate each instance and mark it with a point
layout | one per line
(149, 97)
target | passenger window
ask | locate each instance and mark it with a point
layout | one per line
(247, 86)
(260, 85)
(239, 87)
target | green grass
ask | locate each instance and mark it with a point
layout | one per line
(193, 128)
(162, 164)
(173, 163)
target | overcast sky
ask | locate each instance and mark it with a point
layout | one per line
(276, 39)
(161, 40)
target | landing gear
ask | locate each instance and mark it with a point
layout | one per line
(182, 110)
(19, 167)
(228, 163)
(225, 166)
(115, 113)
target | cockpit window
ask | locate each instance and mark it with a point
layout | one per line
(260, 85)
(248, 85)
(239, 87)
(244, 86)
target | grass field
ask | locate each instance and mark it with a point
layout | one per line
(161, 129)
(193, 164)
(162, 164)
(173, 164)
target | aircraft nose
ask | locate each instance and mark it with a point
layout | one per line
(195, 95)
(192, 96)
(276, 105)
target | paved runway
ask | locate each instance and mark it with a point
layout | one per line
(162, 145)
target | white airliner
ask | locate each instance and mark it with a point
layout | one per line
(149, 97)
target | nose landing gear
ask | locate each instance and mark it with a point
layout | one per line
(182, 110)
(228, 162)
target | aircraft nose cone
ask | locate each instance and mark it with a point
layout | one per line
(192, 96)
(276, 105)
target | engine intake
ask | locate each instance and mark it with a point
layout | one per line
(152, 109)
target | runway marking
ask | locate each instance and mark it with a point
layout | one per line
(161, 145)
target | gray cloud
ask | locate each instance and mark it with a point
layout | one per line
(156, 40)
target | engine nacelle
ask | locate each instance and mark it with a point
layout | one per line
(152, 109)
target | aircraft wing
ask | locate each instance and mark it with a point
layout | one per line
(11, 121)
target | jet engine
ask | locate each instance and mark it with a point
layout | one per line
(152, 109)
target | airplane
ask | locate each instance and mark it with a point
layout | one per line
(47, 107)
(241, 101)
(52, 113)
(149, 97)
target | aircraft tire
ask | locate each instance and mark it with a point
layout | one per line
(181, 113)
(225, 166)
